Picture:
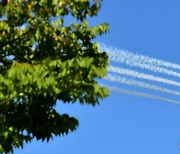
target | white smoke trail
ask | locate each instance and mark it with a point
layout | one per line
(142, 75)
(142, 58)
(141, 61)
(133, 82)
(135, 93)
(144, 66)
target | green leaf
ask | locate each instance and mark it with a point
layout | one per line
(51, 60)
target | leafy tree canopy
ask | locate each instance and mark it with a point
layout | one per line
(42, 60)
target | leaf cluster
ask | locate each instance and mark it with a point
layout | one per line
(43, 60)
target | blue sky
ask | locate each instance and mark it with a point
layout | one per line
(123, 123)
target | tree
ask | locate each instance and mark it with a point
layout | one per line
(43, 60)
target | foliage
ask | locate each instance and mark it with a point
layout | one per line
(43, 60)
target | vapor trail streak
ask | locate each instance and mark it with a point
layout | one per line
(142, 58)
(133, 82)
(144, 65)
(135, 93)
(142, 75)
(141, 61)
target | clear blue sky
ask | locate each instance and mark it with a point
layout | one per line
(124, 124)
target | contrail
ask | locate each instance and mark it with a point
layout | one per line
(142, 75)
(141, 61)
(142, 58)
(133, 82)
(135, 93)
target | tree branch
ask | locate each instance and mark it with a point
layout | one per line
(5, 101)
